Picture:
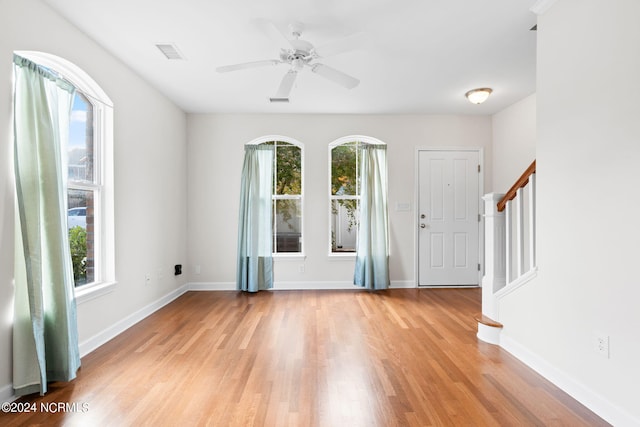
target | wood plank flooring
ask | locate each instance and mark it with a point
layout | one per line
(402, 357)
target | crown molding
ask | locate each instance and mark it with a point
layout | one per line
(542, 6)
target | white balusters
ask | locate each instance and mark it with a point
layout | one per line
(510, 246)
(525, 243)
(532, 222)
(520, 232)
(508, 217)
(519, 202)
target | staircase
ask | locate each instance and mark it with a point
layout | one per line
(510, 249)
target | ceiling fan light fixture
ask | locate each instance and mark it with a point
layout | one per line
(478, 96)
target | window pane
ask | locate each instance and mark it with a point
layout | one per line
(80, 148)
(287, 226)
(344, 225)
(80, 221)
(344, 170)
(288, 169)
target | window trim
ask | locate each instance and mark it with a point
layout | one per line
(289, 256)
(104, 251)
(362, 139)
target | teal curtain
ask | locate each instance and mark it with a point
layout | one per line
(45, 335)
(372, 250)
(255, 242)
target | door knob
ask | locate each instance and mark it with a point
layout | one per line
(423, 216)
(423, 226)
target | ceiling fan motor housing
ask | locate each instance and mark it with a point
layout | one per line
(296, 57)
(299, 54)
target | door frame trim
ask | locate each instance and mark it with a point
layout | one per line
(416, 200)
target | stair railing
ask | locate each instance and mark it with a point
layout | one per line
(510, 244)
(520, 226)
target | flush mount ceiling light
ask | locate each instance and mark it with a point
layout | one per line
(478, 96)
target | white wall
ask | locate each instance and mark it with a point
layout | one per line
(588, 157)
(150, 174)
(215, 162)
(513, 142)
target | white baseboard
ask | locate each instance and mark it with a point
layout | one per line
(589, 398)
(6, 393)
(111, 332)
(310, 285)
(294, 286)
(211, 286)
(403, 284)
(490, 334)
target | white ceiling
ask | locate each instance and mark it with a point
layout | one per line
(422, 55)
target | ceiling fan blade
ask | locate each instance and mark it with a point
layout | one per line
(274, 32)
(244, 65)
(335, 76)
(286, 85)
(299, 44)
(353, 42)
(292, 38)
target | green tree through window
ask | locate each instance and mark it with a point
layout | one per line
(287, 198)
(345, 196)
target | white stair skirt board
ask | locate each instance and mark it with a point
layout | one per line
(489, 334)
(520, 281)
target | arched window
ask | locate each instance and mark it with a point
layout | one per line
(344, 192)
(88, 158)
(287, 194)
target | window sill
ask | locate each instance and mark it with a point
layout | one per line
(95, 290)
(289, 257)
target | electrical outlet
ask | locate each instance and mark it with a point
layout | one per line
(602, 344)
(196, 269)
(147, 279)
(301, 268)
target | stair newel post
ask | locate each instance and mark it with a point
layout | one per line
(494, 277)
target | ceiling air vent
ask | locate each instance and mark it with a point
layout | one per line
(169, 50)
(279, 100)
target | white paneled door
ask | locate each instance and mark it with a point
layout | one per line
(448, 220)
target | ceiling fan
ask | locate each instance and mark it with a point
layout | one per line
(300, 54)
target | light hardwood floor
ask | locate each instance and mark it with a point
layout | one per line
(308, 358)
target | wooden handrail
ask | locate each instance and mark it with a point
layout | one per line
(521, 182)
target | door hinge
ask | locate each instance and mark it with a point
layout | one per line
(478, 168)
(479, 216)
(478, 266)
